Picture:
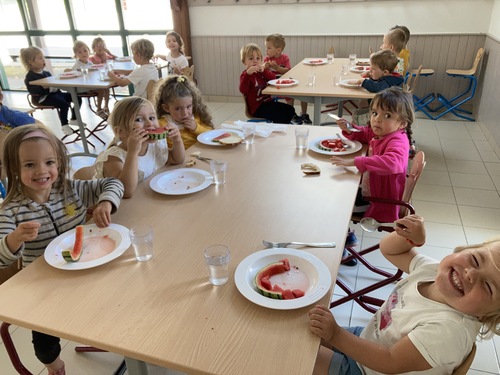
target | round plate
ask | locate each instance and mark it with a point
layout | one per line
(315, 61)
(181, 181)
(66, 241)
(363, 62)
(348, 83)
(97, 66)
(68, 75)
(320, 279)
(206, 137)
(355, 146)
(123, 59)
(277, 82)
(359, 69)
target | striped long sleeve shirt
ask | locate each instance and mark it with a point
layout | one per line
(55, 216)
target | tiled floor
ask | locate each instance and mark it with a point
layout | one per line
(458, 195)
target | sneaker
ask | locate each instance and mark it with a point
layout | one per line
(297, 120)
(351, 263)
(306, 119)
(66, 129)
(351, 239)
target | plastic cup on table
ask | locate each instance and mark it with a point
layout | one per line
(141, 237)
(217, 260)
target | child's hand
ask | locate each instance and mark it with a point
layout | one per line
(359, 82)
(342, 123)
(135, 140)
(102, 214)
(173, 132)
(253, 69)
(274, 65)
(189, 123)
(412, 228)
(322, 323)
(27, 231)
(343, 162)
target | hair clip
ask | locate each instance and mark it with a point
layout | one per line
(180, 79)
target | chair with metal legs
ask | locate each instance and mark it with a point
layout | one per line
(454, 104)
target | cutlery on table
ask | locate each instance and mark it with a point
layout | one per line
(349, 125)
(342, 140)
(199, 157)
(371, 225)
(271, 244)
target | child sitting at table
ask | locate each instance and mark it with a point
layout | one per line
(82, 52)
(253, 80)
(143, 51)
(431, 319)
(388, 135)
(12, 118)
(405, 52)
(41, 204)
(382, 75)
(176, 59)
(395, 40)
(279, 63)
(180, 103)
(132, 156)
(101, 52)
(34, 62)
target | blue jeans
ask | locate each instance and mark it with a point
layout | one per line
(341, 364)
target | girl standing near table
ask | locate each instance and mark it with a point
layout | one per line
(180, 103)
(41, 204)
(132, 156)
(33, 60)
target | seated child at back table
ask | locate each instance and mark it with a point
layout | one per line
(382, 75)
(405, 52)
(143, 51)
(101, 52)
(431, 319)
(395, 41)
(180, 103)
(279, 63)
(253, 80)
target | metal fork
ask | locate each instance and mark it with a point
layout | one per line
(270, 244)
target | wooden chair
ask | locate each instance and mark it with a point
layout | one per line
(150, 90)
(33, 102)
(411, 80)
(454, 104)
(252, 118)
(464, 367)
(361, 296)
(188, 71)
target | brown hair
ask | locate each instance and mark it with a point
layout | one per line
(173, 87)
(12, 165)
(277, 40)
(397, 38)
(28, 55)
(248, 50)
(385, 60)
(405, 30)
(144, 47)
(78, 44)
(179, 40)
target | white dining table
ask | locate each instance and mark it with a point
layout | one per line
(165, 311)
(90, 81)
(324, 90)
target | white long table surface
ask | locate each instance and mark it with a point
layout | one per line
(71, 85)
(324, 91)
(164, 311)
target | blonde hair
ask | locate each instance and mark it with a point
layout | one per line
(28, 55)
(178, 39)
(79, 44)
(385, 60)
(397, 38)
(12, 164)
(173, 87)
(123, 116)
(144, 47)
(491, 321)
(248, 50)
(96, 41)
(277, 40)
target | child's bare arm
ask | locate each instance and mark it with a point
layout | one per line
(102, 214)
(400, 357)
(177, 154)
(118, 80)
(396, 246)
(27, 231)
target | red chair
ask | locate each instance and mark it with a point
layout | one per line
(361, 296)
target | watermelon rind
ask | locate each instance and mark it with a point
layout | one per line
(269, 270)
(156, 135)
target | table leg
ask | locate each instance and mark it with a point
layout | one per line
(317, 110)
(136, 367)
(74, 98)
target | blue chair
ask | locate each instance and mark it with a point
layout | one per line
(422, 103)
(453, 105)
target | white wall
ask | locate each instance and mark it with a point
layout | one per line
(420, 16)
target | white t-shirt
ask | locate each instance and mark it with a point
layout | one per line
(443, 335)
(180, 62)
(140, 77)
(156, 157)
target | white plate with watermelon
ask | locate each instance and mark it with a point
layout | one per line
(321, 146)
(100, 246)
(181, 181)
(315, 272)
(211, 138)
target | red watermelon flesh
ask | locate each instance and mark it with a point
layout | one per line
(265, 286)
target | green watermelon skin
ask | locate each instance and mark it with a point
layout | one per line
(157, 134)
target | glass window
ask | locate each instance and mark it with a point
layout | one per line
(155, 16)
(90, 13)
(47, 15)
(10, 17)
(58, 50)
(9, 57)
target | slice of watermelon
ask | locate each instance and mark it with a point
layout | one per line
(157, 134)
(75, 254)
(222, 136)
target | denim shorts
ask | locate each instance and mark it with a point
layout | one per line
(343, 365)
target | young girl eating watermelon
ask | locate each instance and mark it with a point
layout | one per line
(41, 204)
(135, 154)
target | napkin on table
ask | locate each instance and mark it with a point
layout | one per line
(261, 129)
